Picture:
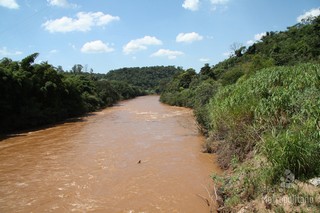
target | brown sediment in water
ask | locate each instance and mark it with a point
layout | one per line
(139, 156)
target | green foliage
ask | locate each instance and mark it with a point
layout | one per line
(201, 97)
(36, 94)
(193, 90)
(107, 92)
(292, 113)
(280, 107)
(151, 79)
(207, 72)
(299, 44)
(126, 91)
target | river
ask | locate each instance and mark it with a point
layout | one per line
(138, 156)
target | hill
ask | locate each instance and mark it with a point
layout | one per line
(151, 79)
(298, 44)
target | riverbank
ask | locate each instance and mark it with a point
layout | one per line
(262, 127)
(244, 188)
(260, 109)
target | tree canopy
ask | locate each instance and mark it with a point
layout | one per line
(35, 94)
(151, 79)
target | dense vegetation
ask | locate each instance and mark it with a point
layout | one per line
(278, 106)
(36, 94)
(260, 107)
(151, 79)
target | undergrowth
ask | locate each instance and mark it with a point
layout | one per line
(276, 112)
(266, 125)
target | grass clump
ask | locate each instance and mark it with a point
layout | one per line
(276, 111)
(270, 122)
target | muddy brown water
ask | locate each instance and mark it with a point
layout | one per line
(138, 156)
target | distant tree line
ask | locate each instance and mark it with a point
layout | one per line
(151, 79)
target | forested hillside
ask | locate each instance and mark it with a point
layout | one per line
(260, 109)
(151, 79)
(36, 94)
(298, 44)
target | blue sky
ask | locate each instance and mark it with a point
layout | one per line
(111, 34)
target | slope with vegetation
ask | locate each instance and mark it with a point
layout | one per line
(151, 79)
(260, 110)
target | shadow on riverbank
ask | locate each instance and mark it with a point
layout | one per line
(25, 131)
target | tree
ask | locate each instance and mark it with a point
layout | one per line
(27, 61)
(235, 46)
(186, 78)
(60, 69)
(205, 70)
(208, 71)
(239, 52)
(77, 69)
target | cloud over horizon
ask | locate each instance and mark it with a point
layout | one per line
(83, 22)
(309, 14)
(257, 37)
(188, 37)
(140, 44)
(171, 54)
(96, 47)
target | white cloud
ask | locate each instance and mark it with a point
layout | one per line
(96, 47)
(171, 54)
(61, 3)
(11, 4)
(250, 42)
(5, 52)
(191, 5)
(140, 44)
(83, 22)
(188, 37)
(311, 13)
(204, 59)
(257, 37)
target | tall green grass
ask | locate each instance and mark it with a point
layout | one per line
(277, 112)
